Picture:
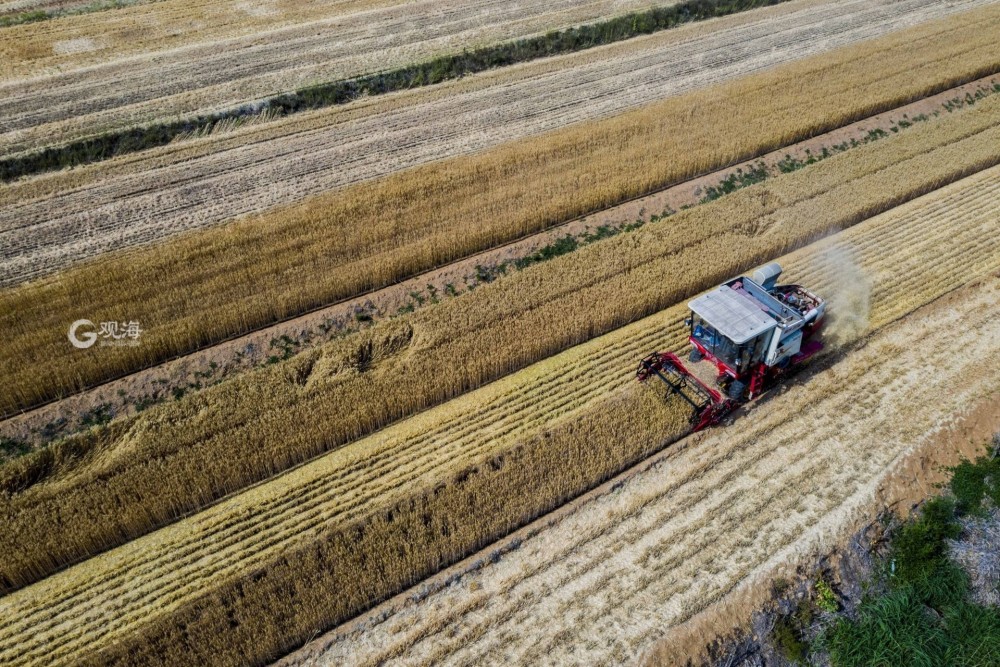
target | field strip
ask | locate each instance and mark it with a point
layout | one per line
(133, 33)
(786, 479)
(216, 75)
(251, 350)
(176, 458)
(44, 234)
(117, 592)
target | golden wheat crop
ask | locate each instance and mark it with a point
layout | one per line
(284, 164)
(145, 471)
(246, 579)
(202, 288)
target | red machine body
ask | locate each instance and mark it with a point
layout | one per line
(745, 336)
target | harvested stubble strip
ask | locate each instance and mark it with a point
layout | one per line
(95, 491)
(669, 41)
(184, 83)
(266, 568)
(207, 286)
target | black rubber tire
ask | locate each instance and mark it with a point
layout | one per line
(736, 389)
(696, 355)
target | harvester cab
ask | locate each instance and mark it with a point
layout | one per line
(745, 335)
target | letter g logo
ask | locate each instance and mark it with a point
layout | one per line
(84, 340)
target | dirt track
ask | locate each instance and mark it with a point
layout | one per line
(904, 253)
(618, 571)
(150, 201)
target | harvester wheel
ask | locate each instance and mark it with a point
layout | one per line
(696, 355)
(736, 389)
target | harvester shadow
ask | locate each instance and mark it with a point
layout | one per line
(824, 362)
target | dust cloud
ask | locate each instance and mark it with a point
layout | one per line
(849, 301)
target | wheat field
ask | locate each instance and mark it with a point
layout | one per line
(202, 288)
(582, 402)
(175, 458)
(478, 478)
(283, 163)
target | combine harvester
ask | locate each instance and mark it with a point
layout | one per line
(746, 335)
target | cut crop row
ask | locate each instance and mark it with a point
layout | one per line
(246, 579)
(205, 287)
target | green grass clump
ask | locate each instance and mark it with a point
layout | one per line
(560, 246)
(898, 629)
(972, 482)
(826, 599)
(891, 631)
(13, 447)
(792, 647)
(739, 179)
(974, 640)
(919, 551)
(23, 17)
